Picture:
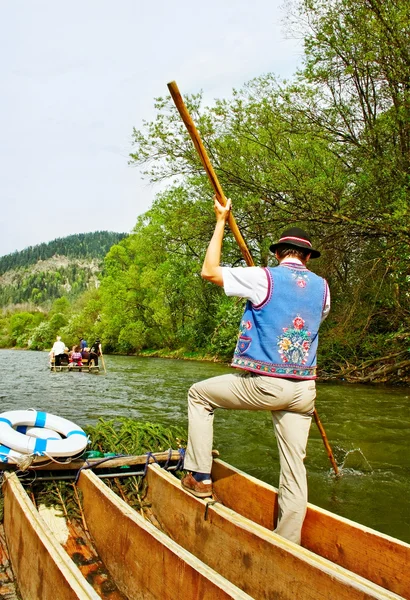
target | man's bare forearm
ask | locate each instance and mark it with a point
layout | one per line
(211, 269)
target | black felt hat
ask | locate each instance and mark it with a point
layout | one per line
(294, 236)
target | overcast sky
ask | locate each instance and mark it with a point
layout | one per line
(77, 76)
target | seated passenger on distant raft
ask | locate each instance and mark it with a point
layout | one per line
(58, 352)
(65, 358)
(85, 353)
(95, 352)
(76, 357)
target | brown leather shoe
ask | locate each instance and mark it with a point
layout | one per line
(196, 488)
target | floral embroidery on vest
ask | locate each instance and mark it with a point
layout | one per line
(244, 340)
(301, 278)
(244, 327)
(294, 343)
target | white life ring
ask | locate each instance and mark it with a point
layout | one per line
(75, 439)
(39, 432)
(7, 455)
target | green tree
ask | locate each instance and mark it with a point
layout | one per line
(42, 337)
(61, 305)
(328, 151)
(21, 325)
(84, 320)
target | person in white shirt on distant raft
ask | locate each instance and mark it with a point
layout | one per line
(274, 360)
(58, 352)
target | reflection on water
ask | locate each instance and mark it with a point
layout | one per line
(368, 427)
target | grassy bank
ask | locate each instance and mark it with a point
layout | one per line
(181, 354)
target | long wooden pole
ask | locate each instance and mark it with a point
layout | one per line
(102, 359)
(195, 137)
(193, 132)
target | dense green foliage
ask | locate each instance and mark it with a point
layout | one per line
(65, 267)
(80, 245)
(128, 436)
(328, 151)
(46, 285)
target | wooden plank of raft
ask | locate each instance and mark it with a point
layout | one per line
(96, 463)
(373, 555)
(85, 368)
(41, 567)
(121, 461)
(144, 562)
(256, 560)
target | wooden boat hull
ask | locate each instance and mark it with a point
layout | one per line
(258, 561)
(41, 566)
(221, 548)
(144, 562)
(377, 557)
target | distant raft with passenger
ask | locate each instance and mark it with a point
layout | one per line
(80, 358)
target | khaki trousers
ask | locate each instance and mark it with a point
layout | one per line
(291, 403)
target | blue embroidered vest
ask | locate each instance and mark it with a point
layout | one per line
(280, 336)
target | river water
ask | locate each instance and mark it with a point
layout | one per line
(368, 427)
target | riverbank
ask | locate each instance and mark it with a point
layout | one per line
(392, 370)
(180, 354)
(376, 371)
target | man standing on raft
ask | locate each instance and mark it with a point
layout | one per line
(276, 360)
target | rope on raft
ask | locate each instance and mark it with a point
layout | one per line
(177, 467)
(147, 462)
(26, 461)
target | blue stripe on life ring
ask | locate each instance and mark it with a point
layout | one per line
(21, 428)
(40, 419)
(40, 446)
(4, 452)
(76, 432)
(3, 420)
